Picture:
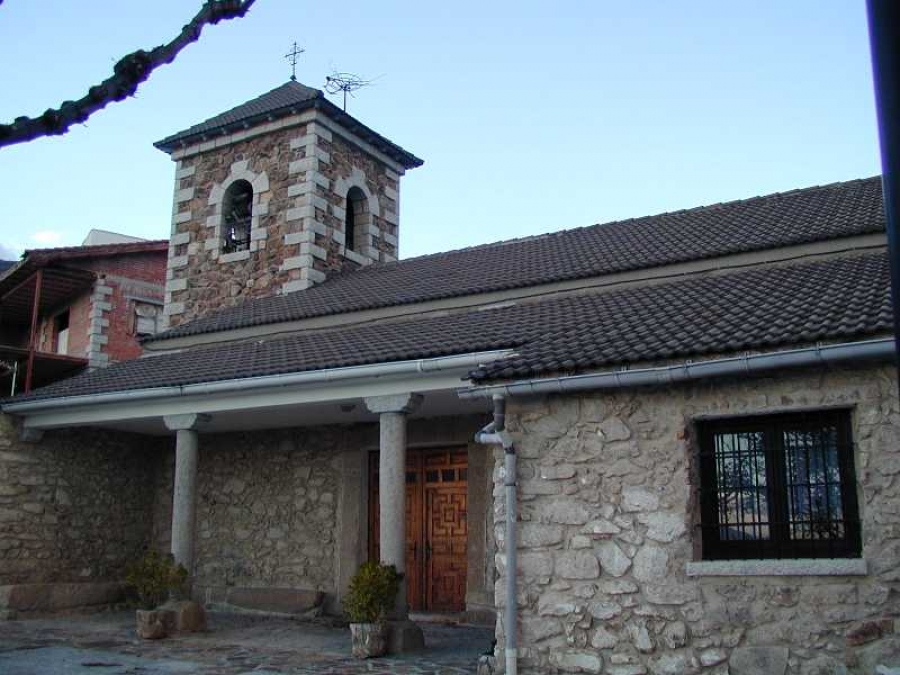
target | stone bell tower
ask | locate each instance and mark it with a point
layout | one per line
(274, 195)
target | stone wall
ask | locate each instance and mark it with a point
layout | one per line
(288, 508)
(606, 532)
(266, 509)
(300, 173)
(73, 506)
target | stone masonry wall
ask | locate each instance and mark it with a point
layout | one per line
(300, 172)
(266, 509)
(606, 531)
(288, 508)
(73, 506)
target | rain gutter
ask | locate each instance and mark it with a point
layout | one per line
(243, 385)
(832, 354)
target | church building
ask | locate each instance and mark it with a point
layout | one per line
(663, 445)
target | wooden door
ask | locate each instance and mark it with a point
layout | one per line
(436, 527)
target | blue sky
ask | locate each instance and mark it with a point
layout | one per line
(530, 116)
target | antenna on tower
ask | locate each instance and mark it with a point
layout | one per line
(346, 83)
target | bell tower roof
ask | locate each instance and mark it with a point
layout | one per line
(291, 98)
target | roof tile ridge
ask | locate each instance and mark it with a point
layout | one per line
(740, 201)
(578, 229)
(149, 243)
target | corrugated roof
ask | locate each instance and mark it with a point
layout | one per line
(784, 219)
(288, 99)
(843, 298)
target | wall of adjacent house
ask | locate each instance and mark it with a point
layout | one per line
(606, 488)
(73, 505)
(124, 280)
(79, 321)
(102, 319)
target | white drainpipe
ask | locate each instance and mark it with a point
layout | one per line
(495, 434)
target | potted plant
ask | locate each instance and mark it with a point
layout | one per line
(154, 577)
(373, 592)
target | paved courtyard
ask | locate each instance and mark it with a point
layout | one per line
(105, 644)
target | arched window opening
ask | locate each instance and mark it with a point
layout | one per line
(356, 218)
(237, 209)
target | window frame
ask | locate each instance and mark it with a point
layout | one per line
(779, 545)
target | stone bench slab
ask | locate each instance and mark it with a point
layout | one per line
(59, 596)
(268, 599)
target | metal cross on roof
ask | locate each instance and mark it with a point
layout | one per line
(293, 56)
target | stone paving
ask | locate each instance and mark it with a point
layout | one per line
(105, 644)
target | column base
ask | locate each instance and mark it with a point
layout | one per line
(405, 636)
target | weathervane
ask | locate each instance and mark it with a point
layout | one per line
(293, 56)
(344, 82)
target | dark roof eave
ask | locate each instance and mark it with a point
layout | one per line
(392, 150)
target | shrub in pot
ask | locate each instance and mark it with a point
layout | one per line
(373, 592)
(153, 578)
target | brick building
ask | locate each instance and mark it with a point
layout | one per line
(665, 445)
(64, 309)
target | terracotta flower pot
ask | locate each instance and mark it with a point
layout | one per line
(369, 639)
(151, 624)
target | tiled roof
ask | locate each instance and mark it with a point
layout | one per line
(68, 252)
(288, 99)
(802, 216)
(36, 258)
(842, 298)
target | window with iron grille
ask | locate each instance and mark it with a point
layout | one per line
(778, 486)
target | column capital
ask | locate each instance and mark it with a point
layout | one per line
(395, 403)
(184, 422)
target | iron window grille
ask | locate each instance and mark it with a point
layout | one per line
(779, 486)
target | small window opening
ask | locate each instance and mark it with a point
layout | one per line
(356, 217)
(237, 210)
(146, 318)
(61, 332)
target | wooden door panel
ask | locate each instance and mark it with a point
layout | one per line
(447, 525)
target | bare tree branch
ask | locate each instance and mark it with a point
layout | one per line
(128, 73)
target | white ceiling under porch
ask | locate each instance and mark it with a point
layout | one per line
(439, 403)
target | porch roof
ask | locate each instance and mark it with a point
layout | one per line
(843, 298)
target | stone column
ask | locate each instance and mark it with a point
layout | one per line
(392, 412)
(184, 496)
